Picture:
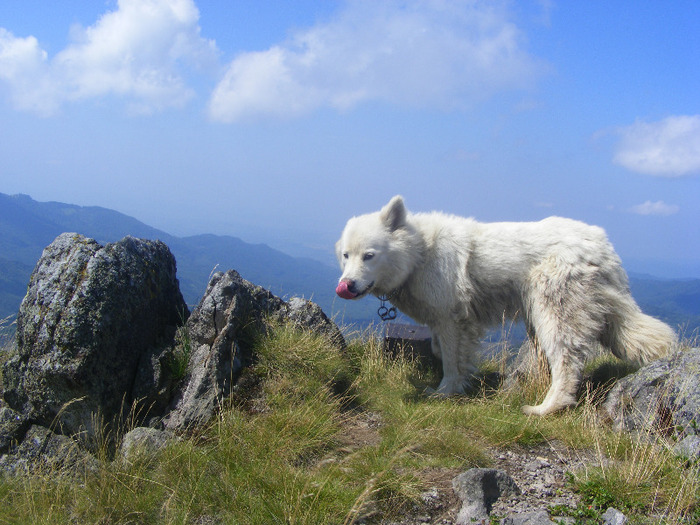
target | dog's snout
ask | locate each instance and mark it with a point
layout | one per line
(347, 289)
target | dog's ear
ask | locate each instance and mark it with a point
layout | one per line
(393, 215)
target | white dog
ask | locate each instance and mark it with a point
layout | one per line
(459, 276)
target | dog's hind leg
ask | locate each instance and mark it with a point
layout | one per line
(565, 313)
(566, 374)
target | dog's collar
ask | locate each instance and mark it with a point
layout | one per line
(384, 313)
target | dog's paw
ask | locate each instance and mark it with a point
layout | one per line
(431, 392)
(532, 410)
(435, 394)
(544, 409)
(452, 386)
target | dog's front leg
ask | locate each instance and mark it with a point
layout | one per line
(457, 371)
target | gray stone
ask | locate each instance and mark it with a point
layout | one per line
(13, 426)
(479, 489)
(308, 315)
(143, 440)
(614, 517)
(43, 451)
(91, 318)
(538, 517)
(661, 397)
(688, 448)
(222, 331)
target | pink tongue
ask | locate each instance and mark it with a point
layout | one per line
(343, 291)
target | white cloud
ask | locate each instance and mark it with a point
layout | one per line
(24, 68)
(436, 54)
(655, 208)
(669, 147)
(137, 52)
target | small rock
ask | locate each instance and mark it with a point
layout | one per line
(479, 489)
(222, 331)
(13, 426)
(143, 440)
(688, 448)
(614, 517)
(538, 517)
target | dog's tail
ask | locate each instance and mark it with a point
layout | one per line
(634, 336)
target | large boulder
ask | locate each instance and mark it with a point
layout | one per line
(221, 334)
(90, 332)
(662, 397)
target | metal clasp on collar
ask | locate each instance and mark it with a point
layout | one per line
(386, 314)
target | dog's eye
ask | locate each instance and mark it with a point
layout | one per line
(345, 255)
(367, 256)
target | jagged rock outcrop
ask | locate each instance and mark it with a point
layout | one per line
(222, 330)
(662, 398)
(96, 344)
(91, 332)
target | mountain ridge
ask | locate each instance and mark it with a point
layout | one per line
(28, 226)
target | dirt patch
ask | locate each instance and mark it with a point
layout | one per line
(540, 472)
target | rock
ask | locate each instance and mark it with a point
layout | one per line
(143, 440)
(538, 517)
(88, 329)
(222, 331)
(310, 316)
(663, 396)
(43, 451)
(613, 517)
(479, 489)
(688, 448)
(13, 426)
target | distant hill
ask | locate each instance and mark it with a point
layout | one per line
(28, 226)
(675, 301)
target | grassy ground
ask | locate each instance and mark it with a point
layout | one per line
(316, 436)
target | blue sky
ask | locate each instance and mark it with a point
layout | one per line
(276, 121)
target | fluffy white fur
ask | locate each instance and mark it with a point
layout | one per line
(459, 276)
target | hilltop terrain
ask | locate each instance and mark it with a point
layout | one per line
(115, 408)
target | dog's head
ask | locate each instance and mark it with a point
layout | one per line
(369, 252)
